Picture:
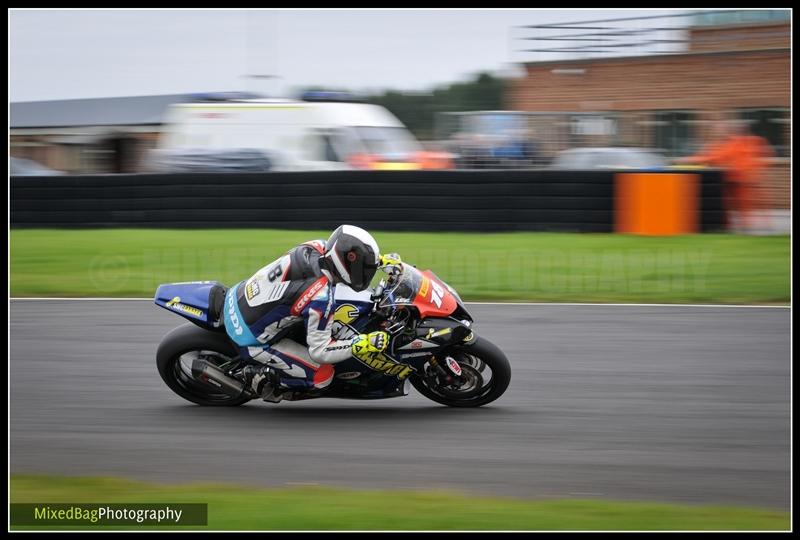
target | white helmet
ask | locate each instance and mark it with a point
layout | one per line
(352, 255)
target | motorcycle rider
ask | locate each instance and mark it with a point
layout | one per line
(261, 312)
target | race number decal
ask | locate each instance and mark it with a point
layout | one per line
(437, 294)
(268, 284)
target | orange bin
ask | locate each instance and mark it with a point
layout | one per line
(656, 203)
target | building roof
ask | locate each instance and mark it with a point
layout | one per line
(115, 111)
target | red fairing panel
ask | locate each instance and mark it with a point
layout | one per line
(433, 298)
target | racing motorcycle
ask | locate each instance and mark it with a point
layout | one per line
(432, 345)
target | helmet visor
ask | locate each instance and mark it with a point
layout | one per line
(361, 275)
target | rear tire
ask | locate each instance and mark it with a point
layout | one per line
(186, 340)
(493, 358)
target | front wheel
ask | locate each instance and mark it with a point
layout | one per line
(485, 375)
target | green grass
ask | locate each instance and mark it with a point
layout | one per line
(551, 267)
(323, 508)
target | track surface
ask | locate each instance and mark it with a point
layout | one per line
(683, 404)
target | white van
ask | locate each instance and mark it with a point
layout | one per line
(294, 134)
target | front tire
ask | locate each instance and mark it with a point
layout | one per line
(180, 346)
(488, 356)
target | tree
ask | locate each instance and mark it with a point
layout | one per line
(418, 111)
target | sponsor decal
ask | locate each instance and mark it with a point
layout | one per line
(415, 354)
(423, 288)
(383, 363)
(175, 304)
(438, 333)
(232, 314)
(348, 375)
(342, 317)
(346, 313)
(419, 344)
(453, 365)
(252, 289)
(309, 293)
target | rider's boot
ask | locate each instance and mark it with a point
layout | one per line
(264, 382)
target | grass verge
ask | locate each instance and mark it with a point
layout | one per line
(322, 508)
(548, 267)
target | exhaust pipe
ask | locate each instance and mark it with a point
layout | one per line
(208, 373)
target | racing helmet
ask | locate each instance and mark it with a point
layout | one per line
(352, 256)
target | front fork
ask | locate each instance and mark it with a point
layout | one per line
(448, 371)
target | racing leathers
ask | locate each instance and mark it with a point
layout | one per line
(261, 312)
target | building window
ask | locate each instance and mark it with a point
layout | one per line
(674, 132)
(772, 124)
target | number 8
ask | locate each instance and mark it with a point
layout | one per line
(275, 273)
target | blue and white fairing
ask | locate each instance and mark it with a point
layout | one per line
(193, 300)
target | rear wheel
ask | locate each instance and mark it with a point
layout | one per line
(485, 375)
(180, 348)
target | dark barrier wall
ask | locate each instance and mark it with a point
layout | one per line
(497, 200)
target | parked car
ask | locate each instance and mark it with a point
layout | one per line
(27, 167)
(608, 158)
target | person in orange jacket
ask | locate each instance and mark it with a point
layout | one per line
(742, 155)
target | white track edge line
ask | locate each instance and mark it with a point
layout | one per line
(109, 299)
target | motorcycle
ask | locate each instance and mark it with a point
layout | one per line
(432, 345)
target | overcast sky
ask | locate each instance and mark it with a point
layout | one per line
(57, 54)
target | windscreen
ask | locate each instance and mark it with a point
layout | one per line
(406, 288)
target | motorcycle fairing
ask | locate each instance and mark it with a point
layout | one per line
(198, 301)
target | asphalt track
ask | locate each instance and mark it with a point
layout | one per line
(681, 404)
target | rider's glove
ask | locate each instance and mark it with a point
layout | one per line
(366, 346)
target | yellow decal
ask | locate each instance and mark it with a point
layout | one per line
(346, 313)
(340, 326)
(251, 289)
(423, 289)
(175, 304)
(383, 363)
(437, 333)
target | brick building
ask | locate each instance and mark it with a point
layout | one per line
(731, 65)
